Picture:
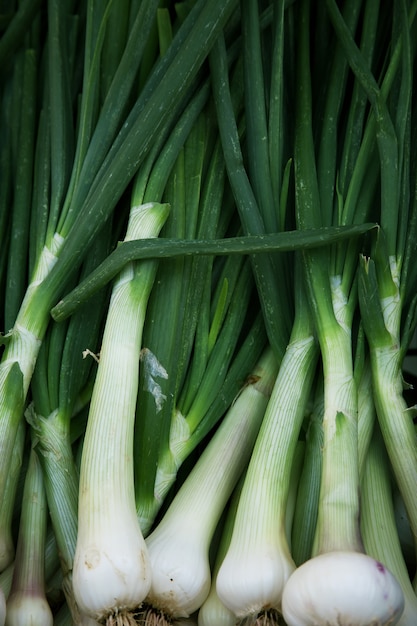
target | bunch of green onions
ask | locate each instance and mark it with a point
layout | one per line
(208, 216)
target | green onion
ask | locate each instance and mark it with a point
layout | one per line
(60, 377)
(27, 601)
(213, 612)
(109, 539)
(330, 277)
(258, 561)
(378, 525)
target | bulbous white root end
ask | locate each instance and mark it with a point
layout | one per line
(113, 583)
(342, 589)
(24, 608)
(181, 574)
(251, 580)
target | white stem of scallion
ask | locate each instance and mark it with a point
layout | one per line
(258, 562)
(111, 574)
(378, 525)
(27, 602)
(396, 426)
(213, 612)
(338, 515)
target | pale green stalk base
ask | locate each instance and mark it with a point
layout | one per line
(404, 532)
(378, 524)
(27, 601)
(51, 565)
(7, 549)
(396, 425)
(213, 612)
(258, 561)
(24, 608)
(60, 479)
(22, 344)
(338, 513)
(382, 319)
(61, 488)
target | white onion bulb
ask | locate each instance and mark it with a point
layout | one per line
(342, 589)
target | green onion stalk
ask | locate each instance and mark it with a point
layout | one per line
(296, 469)
(247, 349)
(51, 565)
(258, 561)
(64, 371)
(213, 612)
(352, 576)
(111, 571)
(62, 376)
(26, 602)
(378, 524)
(7, 509)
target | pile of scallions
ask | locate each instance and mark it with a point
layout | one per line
(208, 282)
